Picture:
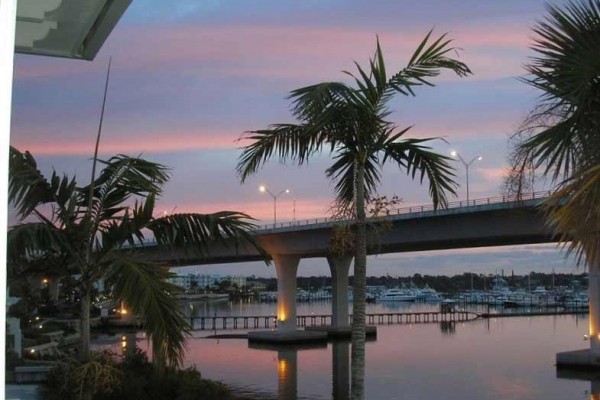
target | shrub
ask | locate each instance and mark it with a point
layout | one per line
(133, 378)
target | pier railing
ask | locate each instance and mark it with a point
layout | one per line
(268, 321)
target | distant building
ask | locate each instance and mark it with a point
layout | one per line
(183, 281)
(256, 285)
(197, 281)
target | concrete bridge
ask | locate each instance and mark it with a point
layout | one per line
(494, 221)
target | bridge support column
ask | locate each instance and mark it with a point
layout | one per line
(287, 268)
(339, 267)
(594, 296)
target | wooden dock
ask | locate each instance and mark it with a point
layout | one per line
(267, 322)
(533, 313)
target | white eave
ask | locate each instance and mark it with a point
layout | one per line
(66, 28)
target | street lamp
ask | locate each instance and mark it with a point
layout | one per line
(467, 165)
(264, 189)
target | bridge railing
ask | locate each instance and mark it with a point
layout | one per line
(420, 208)
(398, 211)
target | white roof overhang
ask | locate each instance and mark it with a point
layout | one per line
(66, 28)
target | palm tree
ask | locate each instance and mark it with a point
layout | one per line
(350, 123)
(561, 136)
(93, 231)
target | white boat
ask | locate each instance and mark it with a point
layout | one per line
(429, 294)
(397, 295)
(580, 301)
(540, 290)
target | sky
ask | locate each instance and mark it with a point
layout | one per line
(188, 78)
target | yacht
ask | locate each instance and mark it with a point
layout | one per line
(428, 294)
(397, 295)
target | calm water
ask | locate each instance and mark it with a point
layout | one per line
(503, 358)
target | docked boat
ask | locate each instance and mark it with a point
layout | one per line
(397, 295)
(580, 301)
(428, 294)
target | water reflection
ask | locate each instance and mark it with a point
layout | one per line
(593, 376)
(287, 366)
(490, 359)
(340, 354)
(448, 327)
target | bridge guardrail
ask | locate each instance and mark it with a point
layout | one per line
(420, 209)
(398, 211)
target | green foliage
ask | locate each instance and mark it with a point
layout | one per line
(85, 230)
(133, 378)
(70, 378)
(561, 135)
(343, 237)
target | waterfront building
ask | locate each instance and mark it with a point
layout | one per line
(189, 281)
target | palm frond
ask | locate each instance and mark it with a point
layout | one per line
(565, 68)
(343, 173)
(420, 163)
(29, 189)
(427, 62)
(142, 285)
(574, 214)
(37, 239)
(121, 179)
(310, 101)
(197, 232)
(286, 141)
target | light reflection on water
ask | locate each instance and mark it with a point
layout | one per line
(501, 358)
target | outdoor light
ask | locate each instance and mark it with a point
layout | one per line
(264, 189)
(45, 281)
(467, 165)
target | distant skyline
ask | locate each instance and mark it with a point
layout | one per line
(188, 78)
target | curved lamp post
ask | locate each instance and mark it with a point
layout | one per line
(467, 166)
(264, 189)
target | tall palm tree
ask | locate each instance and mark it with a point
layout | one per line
(350, 122)
(561, 136)
(93, 231)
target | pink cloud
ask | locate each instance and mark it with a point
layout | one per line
(261, 210)
(457, 126)
(129, 142)
(281, 52)
(496, 174)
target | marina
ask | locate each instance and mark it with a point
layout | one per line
(494, 358)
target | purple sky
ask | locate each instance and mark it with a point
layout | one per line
(189, 77)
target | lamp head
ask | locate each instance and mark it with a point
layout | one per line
(479, 158)
(262, 188)
(453, 153)
(287, 190)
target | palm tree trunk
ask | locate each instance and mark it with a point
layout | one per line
(84, 330)
(360, 273)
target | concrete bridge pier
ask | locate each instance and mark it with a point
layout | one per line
(287, 269)
(339, 267)
(588, 358)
